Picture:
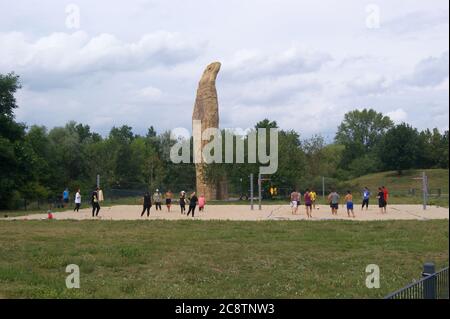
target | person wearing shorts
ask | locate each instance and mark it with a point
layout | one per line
(65, 197)
(313, 196)
(201, 203)
(349, 203)
(295, 197)
(77, 201)
(366, 197)
(157, 199)
(183, 202)
(308, 203)
(333, 198)
(386, 196)
(168, 197)
(381, 200)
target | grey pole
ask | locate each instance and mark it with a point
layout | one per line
(424, 190)
(98, 180)
(259, 191)
(251, 191)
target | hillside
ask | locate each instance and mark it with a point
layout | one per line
(437, 179)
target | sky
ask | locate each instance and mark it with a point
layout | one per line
(302, 63)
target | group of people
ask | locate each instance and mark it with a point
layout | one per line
(95, 199)
(310, 197)
(191, 202)
(333, 198)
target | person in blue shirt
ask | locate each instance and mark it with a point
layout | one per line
(66, 197)
(366, 197)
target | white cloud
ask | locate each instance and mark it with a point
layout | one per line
(250, 64)
(78, 53)
(398, 115)
(430, 71)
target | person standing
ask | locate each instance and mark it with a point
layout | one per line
(333, 198)
(183, 202)
(168, 196)
(349, 203)
(295, 197)
(313, 196)
(65, 197)
(366, 197)
(201, 203)
(147, 204)
(157, 199)
(386, 197)
(308, 204)
(77, 201)
(381, 200)
(95, 203)
(192, 204)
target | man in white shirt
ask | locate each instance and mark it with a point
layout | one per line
(77, 201)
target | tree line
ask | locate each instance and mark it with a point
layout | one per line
(38, 163)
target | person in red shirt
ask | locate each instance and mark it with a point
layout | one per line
(386, 196)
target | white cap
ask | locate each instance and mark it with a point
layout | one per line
(157, 190)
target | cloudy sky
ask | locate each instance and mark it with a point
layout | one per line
(301, 63)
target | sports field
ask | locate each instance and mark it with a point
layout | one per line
(243, 212)
(215, 259)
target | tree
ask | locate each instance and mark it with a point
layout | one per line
(399, 148)
(360, 132)
(15, 156)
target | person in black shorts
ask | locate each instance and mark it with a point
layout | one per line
(168, 197)
(94, 203)
(147, 204)
(183, 202)
(381, 200)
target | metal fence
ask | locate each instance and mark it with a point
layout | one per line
(432, 285)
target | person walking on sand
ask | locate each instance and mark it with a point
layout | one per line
(168, 197)
(308, 204)
(313, 196)
(201, 203)
(333, 199)
(381, 200)
(295, 197)
(183, 202)
(95, 203)
(349, 203)
(77, 200)
(192, 204)
(386, 196)
(366, 197)
(147, 204)
(65, 197)
(157, 199)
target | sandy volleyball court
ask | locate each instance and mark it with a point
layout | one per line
(243, 212)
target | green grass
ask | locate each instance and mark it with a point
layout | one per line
(215, 259)
(437, 178)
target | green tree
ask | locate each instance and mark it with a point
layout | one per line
(360, 132)
(400, 148)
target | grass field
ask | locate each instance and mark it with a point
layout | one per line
(215, 259)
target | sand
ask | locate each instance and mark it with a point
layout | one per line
(243, 212)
